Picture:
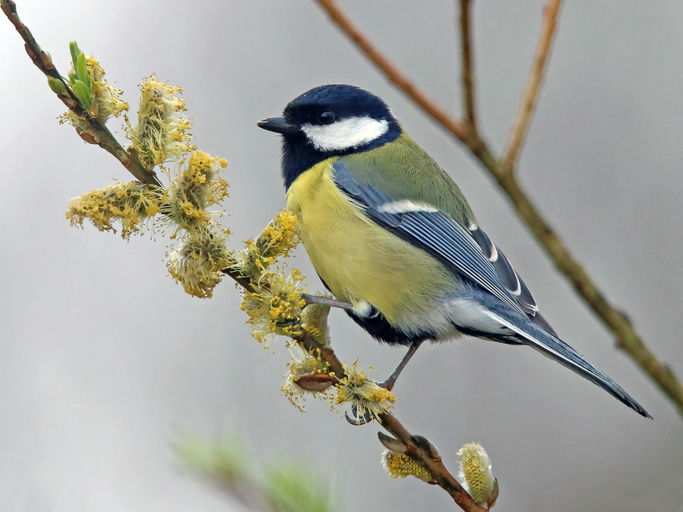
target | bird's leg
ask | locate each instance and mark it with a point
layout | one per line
(361, 419)
(391, 381)
(326, 301)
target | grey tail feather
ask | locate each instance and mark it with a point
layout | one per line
(556, 349)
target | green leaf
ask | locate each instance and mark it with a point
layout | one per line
(75, 52)
(225, 462)
(57, 86)
(82, 70)
(82, 92)
(292, 488)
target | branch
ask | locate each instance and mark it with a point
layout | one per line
(429, 458)
(467, 66)
(391, 71)
(533, 86)
(100, 133)
(614, 320)
(391, 424)
(441, 475)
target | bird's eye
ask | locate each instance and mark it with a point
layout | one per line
(327, 117)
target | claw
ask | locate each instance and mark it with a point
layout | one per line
(355, 419)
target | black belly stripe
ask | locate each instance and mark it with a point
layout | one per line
(379, 328)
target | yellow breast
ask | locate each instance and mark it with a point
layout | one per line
(358, 259)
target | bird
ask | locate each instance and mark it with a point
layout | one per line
(389, 232)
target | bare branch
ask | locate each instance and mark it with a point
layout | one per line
(390, 70)
(614, 320)
(467, 65)
(533, 86)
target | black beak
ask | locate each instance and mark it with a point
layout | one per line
(277, 125)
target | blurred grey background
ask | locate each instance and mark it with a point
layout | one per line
(105, 361)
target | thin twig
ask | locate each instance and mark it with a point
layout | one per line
(467, 65)
(101, 135)
(390, 70)
(614, 320)
(533, 86)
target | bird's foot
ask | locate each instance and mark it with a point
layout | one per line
(356, 419)
(366, 416)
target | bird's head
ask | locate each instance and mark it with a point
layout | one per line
(330, 120)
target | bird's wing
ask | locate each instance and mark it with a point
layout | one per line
(509, 277)
(425, 226)
(470, 253)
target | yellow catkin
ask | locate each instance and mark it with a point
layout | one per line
(162, 132)
(400, 465)
(475, 470)
(367, 396)
(276, 306)
(278, 238)
(131, 204)
(314, 320)
(106, 102)
(198, 262)
(302, 363)
(195, 187)
(106, 97)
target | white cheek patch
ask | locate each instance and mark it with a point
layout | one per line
(345, 134)
(406, 206)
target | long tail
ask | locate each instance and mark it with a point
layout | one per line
(556, 349)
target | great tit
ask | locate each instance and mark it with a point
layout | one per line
(389, 232)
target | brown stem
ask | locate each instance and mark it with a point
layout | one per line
(614, 320)
(442, 476)
(533, 86)
(467, 65)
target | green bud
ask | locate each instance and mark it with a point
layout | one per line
(82, 92)
(57, 86)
